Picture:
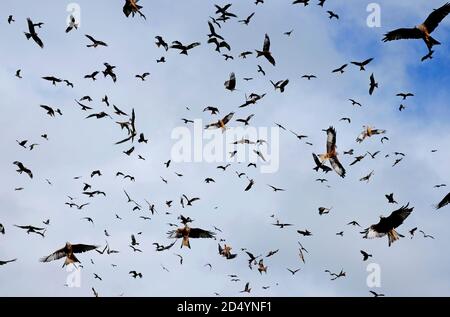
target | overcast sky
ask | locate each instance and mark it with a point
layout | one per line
(317, 45)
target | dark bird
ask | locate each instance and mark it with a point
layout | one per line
(83, 107)
(281, 84)
(160, 42)
(390, 198)
(365, 255)
(92, 75)
(72, 24)
(246, 21)
(260, 70)
(247, 288)
(230, 84)
(373, 84)
(340, 69)
(358, 159)
(109, 71)
(309, 77)
(375, 294)
(281, 225)
(183, 48)
(404, 95)
(213, 110)
(362, 65)
(304, 233)
(332, 15)
(251, 182)
(422, 31)
(320, 165)
(143, 76)
(367, 177)
(11, 19)
(412, 231)
(387, 225)
(22, 169)
(190, 201)
(219, 44)
(227, 57)
(160, 247)
(32, 33)
(293, 271)
(53, 79)
(18, 73)
(135, 274)
(95, 42)
(355, 103)
(68, 83)
(266, 51)
(276, 189)
(304, 2)
(99, 115)
(6, 262)
(336, 275)
(68, 252)
(353, 223)
(426, 235)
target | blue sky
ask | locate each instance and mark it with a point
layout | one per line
(77, 146)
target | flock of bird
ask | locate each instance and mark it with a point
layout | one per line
(325, 160)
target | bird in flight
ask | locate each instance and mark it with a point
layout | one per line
(68, 251)
(331, 154)
(131, 7)
(32, 33)
(266, 51)
(187, 232)
(368, 132)
(221, 123)
(387, 225)
(362, 64)
(422, 31)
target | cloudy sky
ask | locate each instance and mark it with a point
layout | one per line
(317, 45)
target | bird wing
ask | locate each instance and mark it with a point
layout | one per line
(398, 216)
(79, 248)
(55, 255)
(266, 45)
(31, 26)
(443, 202)
(331, 139)
(192, 45)
(228, 117)
(175, 234)
(402, 34)
(436, 17)
(200, 233)
(337, 166)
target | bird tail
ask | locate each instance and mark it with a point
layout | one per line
(433, 42)
(393, 236)
(259, 53)
(185, 242)
(28, 35)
